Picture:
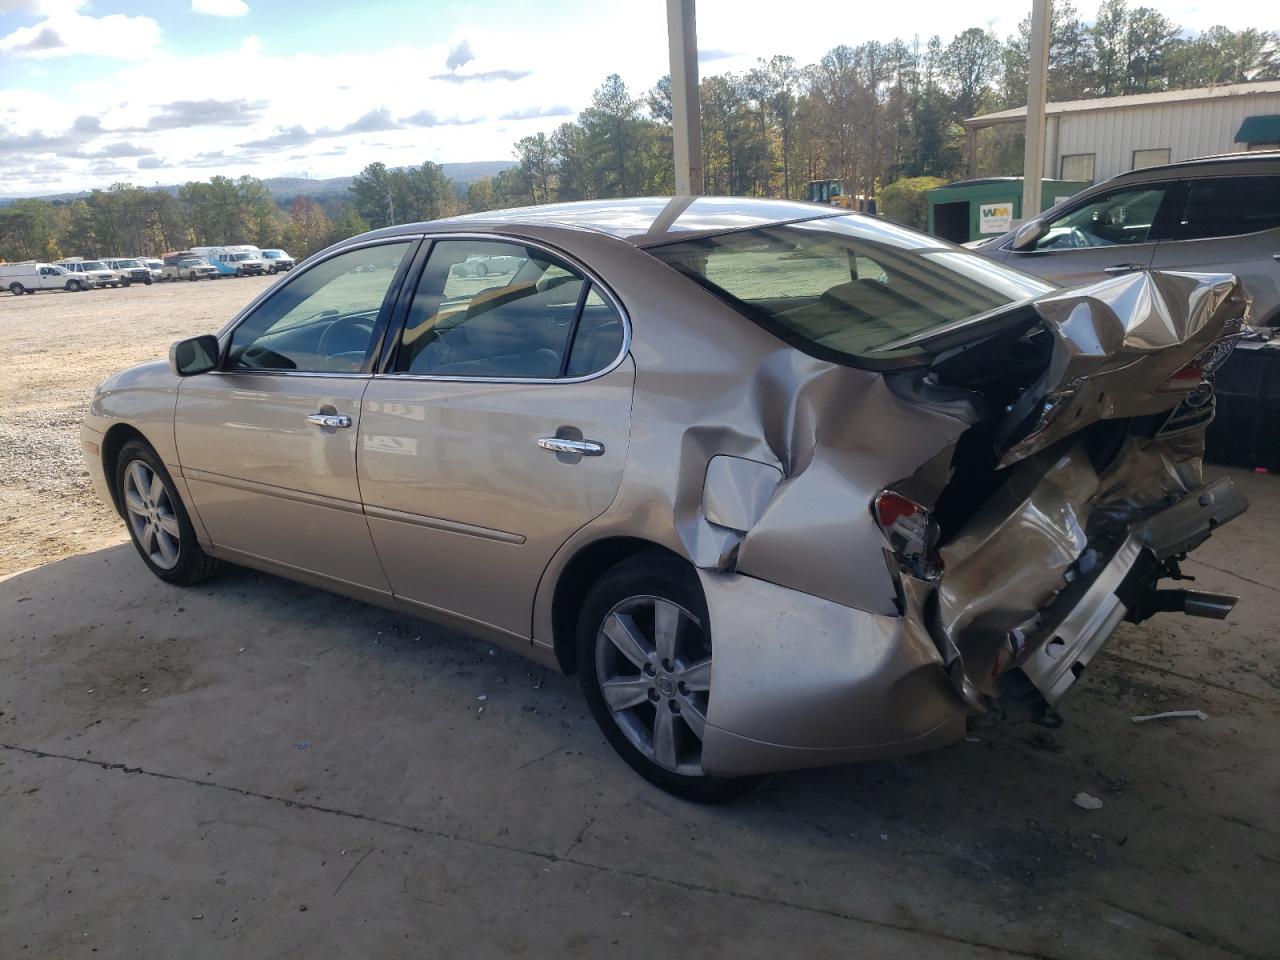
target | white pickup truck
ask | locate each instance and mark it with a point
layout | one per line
(91, 273)
(30, 276)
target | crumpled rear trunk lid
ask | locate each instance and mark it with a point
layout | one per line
(1117, 346)
(1102, 429)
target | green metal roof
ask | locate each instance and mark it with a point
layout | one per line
(1259, 130)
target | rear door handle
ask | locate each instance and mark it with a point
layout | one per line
(585, 448)
(1275, 256)
(329, 420)
(1123, 268)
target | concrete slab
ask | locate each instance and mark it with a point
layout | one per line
(255, 768)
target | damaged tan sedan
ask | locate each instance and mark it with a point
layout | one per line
(784, 486)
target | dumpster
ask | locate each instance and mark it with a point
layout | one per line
(973, 209)
(1245, 431)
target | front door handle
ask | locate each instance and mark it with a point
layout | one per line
(329, 420)
(1275, 256)
(1123, 268)
(585, 448)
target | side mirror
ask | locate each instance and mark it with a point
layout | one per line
(197, 355)
(1029, 234)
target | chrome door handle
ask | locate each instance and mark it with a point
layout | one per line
(585, 448)
(328, 420)
(1123, 268)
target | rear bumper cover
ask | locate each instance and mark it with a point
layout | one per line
(800, 681)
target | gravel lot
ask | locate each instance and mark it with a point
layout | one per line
(255, 768)
(58, 347)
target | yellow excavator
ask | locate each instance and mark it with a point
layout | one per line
(831, 193)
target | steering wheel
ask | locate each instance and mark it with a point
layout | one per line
(1079, 238)
(345, 337)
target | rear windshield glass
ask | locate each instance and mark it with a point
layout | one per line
(841, 287)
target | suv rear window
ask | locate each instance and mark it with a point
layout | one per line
(1228, 206)
(841, 287)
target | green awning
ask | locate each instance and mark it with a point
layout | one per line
(1259, 130)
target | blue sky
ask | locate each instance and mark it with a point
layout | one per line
(97, 91)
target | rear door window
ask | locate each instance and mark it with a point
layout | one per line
(495, 309)
(1227, 207)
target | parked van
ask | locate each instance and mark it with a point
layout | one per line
(130, 271)
(154, 264)
(234, 261)
(92, 273)
(30, 276)
(276, 260)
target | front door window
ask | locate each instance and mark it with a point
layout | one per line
(1126, 216)
(322, 321)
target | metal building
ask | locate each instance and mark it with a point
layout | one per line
(1092, 140)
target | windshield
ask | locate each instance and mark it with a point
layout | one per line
(92, 265)
(242, 256)
(271, 254)
(127, 263)
(841, 287)
(193, 263)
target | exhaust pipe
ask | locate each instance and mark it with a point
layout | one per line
(1215, 606)
(1194, 603)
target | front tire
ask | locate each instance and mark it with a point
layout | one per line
(644, 664)
(157, 520)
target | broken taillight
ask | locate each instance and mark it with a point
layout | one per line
(1202, 368)
(911, 532)
(1184, 380)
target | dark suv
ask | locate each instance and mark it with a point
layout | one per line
(1216, 214)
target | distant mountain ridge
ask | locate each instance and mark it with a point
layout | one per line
(284, 189)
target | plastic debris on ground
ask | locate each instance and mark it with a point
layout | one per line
(1171, 715)
(1086, 801)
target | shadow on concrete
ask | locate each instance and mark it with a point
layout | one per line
(258, 687)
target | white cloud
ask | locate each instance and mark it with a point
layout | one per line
(65, 32)
(331, 112)
(220, 8)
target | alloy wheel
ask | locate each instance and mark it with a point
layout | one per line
(151, 515)
(653, 664)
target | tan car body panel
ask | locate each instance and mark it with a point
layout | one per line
(270, 485)
(465, 509)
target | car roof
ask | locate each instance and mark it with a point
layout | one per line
(645, 221)
(1219, 159)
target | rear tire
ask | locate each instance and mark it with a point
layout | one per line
(157, 520)
(17, 289)
(649, 688)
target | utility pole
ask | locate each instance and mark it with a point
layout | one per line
(1037, 83)
(686, 118)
